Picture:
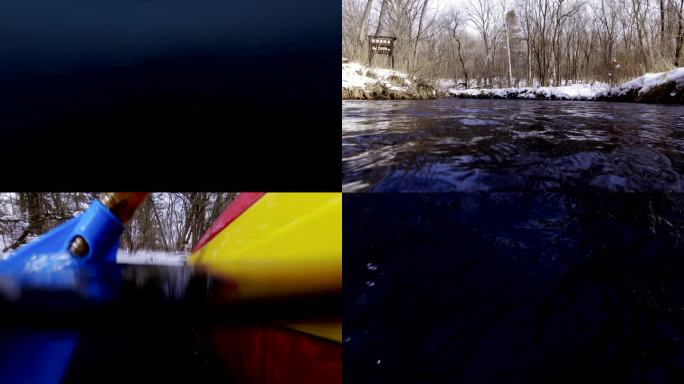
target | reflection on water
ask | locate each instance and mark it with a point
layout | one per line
(503, 145)
(153, 324)
(179, 294)
(513, 287)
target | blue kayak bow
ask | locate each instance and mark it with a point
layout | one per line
(76, 256)
(70, 255)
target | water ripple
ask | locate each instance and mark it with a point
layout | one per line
(504, 145)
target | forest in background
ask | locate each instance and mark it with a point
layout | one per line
(506, 43)
(170, 222)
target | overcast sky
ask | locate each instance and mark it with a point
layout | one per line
(445, 4)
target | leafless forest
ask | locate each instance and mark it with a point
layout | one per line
(520, 42)
(170, 222)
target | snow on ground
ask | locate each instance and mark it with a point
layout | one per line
(364, 83)
(446, 84)
(358, 76)
(579, 91)
(650, 80)
(150, 257)
(122, 257)
(138, 257)
(575, 91)
(566, 92)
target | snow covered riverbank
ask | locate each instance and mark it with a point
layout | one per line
(150, 257)
(142, 257)
(663, 87)
(569, 92)
(360, 82)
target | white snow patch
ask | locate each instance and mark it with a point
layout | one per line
(566, 92)
(355, 75)
(49, 262)
(650, 80)
(446, 84)
(151, 257)
(583, 91)
(576, 91)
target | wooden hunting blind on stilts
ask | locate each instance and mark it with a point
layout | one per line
(383, 45)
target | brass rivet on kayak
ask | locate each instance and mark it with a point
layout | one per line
(123, 204)
(109, 200)
(79, 247)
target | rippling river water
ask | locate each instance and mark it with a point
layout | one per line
(511, 145)
(513, 288)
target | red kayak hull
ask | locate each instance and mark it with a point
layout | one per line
(258, 354)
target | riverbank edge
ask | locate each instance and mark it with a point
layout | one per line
(420, 91)
(360, 82)
(365, 83)
(664, 93)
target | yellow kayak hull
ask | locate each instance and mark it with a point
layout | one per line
(283, 245)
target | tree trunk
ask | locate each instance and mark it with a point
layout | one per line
(364, 21)
(486, 66)
(34, 210)
(460, 58)
(529, 63)
(200, 219)
(662, 27)
(160, 224)
(420, 30)
(680, 37)
(508, 49)
(381, 18)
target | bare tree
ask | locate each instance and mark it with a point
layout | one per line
(481, 15)
(420, 29)
(381, 19)
(454, 24)
(364, 21)
(165, 221)
(508, 18)
(545, 42)
(679, 37)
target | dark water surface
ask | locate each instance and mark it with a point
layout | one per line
(154, 325)
(511, 145)
(513, 288)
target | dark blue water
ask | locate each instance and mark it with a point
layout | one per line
(463, 145)
(154, 325)
(513, 288)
